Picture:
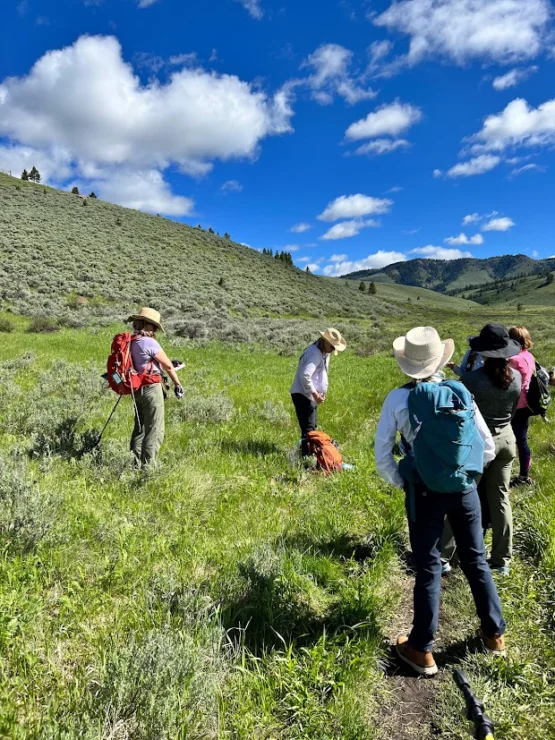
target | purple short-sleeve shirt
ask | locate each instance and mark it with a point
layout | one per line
(143, 351)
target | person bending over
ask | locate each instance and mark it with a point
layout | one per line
(310, 386)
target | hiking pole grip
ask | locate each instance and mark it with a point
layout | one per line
(484, 727)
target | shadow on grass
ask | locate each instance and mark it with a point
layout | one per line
(343, 547)
(255, 447)
(281, 602)
(66, 441)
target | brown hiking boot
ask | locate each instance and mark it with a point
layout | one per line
(494, 645)
(423, 663)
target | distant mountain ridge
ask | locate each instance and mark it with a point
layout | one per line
(456, 275)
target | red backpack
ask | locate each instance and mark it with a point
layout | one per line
(122, 376)
(328, 457)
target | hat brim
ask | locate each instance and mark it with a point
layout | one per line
(138, 317)
(418, 371)
(511, 349)
(338, 347)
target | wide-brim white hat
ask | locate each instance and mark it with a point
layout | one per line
(333, 337)
(150, 315)
(421, 352)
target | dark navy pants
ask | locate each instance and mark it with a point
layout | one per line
(521, 425)
(427, 512)
(307, 416)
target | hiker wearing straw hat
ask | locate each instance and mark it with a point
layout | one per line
(148, 356)
(446, 445)
(310, 386)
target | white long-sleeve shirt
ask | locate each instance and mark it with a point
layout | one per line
(312, 372)
(395, 418)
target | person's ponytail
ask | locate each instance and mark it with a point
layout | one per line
(499, 372)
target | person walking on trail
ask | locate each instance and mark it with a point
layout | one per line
(148, 356)
(429, 441)
(310, 386)
(471, 361)
(496, 389)
(525, 363)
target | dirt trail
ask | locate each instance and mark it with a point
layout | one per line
(410, 709)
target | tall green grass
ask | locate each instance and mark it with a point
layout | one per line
(231, 592)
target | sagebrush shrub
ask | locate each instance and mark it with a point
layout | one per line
(27, 514)
(205, 409)
(43, 325)
(6, 326)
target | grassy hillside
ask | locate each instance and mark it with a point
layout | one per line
(94, 262)
(457, 275)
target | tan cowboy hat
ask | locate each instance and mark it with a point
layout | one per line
(333, 337)
(148, 314)
(421, 352)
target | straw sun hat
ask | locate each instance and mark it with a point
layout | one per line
(421, 352)
(333, 337)
(148, 314)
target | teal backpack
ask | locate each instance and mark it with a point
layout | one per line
(448, 449)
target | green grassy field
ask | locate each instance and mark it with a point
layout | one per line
(231, 593)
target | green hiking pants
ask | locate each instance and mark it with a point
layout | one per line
(148, 432)
(496, 482)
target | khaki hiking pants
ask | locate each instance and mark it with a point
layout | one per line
(148, 432)
(495, 482)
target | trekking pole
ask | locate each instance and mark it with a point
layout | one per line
(99, 440)
(483, 726)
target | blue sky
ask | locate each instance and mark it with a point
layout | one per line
(353, 133)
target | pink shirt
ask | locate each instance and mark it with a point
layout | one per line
(526, 365)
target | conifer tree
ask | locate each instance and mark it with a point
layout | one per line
(33, 174)
(372, 290)
(362, 286)
(24, 175)
(75, 190)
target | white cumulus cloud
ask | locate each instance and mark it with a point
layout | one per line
(355, 206)
(300, 228)
(86, 100)
(388, 120)
(475, 166)
(253, 8)
(512, 78)
(144, 190)
(462, 239)
(382, 146)
(499, 224)
(472, 218)
(501, 31)
(518, 125)
(331, 75)
(372, 262)
(231, 186)
(347, 229)
(440, 253)
(338, 257)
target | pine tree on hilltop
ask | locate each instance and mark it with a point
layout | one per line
(37, 176)
(33, 174)
(24, 175)
(308, 270)
(75, 190)
(372, 290)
